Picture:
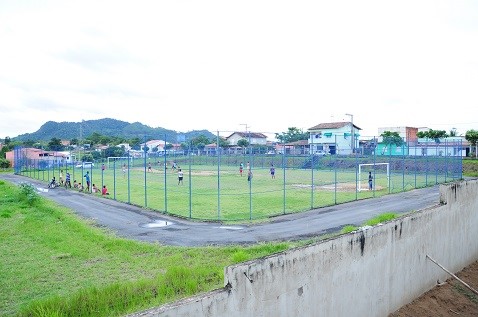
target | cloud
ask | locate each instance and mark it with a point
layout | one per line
(216, 65)
(96, 59)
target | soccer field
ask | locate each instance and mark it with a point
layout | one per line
(211, 193)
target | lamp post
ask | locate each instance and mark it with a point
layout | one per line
(352, 141)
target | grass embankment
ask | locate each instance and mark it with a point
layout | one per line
(470, 167)
(54, 264)
(387, 216)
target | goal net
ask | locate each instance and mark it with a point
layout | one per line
(119, 160)
(380, 173)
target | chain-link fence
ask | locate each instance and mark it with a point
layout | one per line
(255, 182)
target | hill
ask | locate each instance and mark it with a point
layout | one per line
(108, 127)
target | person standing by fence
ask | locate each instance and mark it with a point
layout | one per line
(370, 181)
(249, 175)
(87, 178)
(180, 176)
(68, 180)
(273, 171)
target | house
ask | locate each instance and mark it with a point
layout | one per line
(334, 138)
(38, 158)
(158, 148)
(252, 137)
(451, 146)
(210, 149)
(152, 144)
(414, 146)
(300, 147)
(65, 142)
(125, 146)
(408, 134)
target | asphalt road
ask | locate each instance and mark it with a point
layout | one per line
(133, 222)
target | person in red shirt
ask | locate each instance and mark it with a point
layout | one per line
(104, 190)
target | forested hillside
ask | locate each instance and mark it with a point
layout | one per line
(108, 127)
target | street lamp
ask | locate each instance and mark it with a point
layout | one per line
(352, 138)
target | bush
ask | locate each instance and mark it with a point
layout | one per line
(4, 163)
(381, 219)
(28, 194)
(348, 229)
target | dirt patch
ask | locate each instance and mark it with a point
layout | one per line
(169, 171)
(448, 299)
(340, 187)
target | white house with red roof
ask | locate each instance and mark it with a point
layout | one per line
(334, 138)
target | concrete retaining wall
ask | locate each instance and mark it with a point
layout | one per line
(371, 272)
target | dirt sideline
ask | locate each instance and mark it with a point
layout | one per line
(450, 298)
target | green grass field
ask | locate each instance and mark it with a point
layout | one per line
(211, 194)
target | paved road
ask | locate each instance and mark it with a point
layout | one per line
(141, 224)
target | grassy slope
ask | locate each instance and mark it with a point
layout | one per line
(55, 263)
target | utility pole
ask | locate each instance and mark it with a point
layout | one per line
(247, 133)
(80, 141)
(352, 137)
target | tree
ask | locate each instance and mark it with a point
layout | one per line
(201, 147)
(184, 146)
(29, 142)
(88, 157)
(114, 151)
(433, 134)
(136, 144)
(55, 144)
(7, 148)
(243, 143)
(293, 134)
(200, 142)
(7, 140)
(105, 140)
(94, 138)
(472, 137)
(200, 139)
(4, 163)
(96, 155)
(392, 138)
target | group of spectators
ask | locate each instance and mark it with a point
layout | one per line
(78, 185)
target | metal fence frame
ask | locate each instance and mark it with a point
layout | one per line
(410, 169)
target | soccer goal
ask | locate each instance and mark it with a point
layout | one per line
(121, 159)
(379, 170)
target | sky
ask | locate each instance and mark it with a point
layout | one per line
(260, 66)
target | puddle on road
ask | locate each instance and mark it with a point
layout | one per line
(231, 228)
(157, 224)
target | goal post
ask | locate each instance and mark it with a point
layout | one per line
(111, 159)
(376, 169)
